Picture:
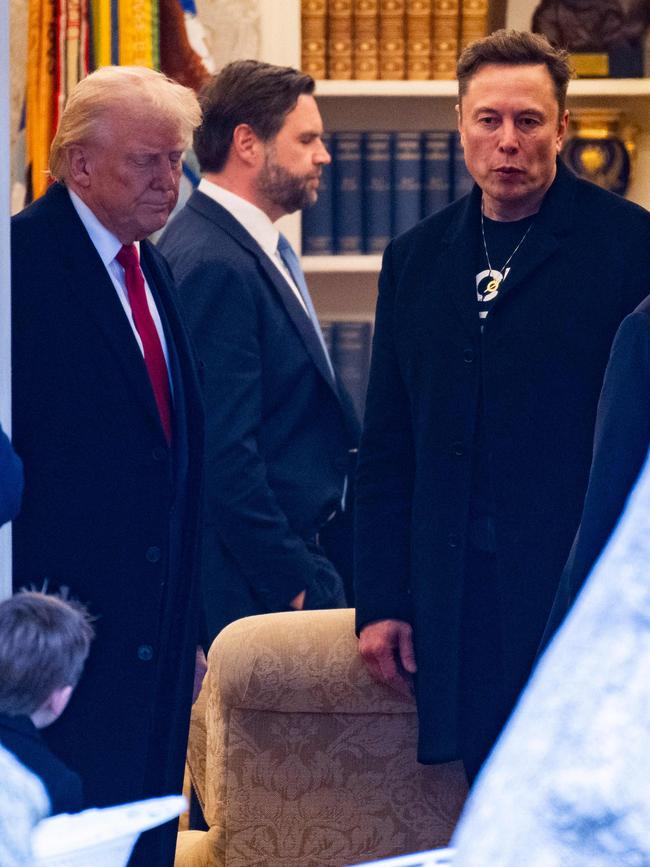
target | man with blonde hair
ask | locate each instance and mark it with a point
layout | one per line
(108, 422)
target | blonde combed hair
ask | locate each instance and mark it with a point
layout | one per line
(112, 86)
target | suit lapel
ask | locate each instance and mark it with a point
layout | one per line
(294, 309)
(554, 219)
(458, 261)
(95, 295)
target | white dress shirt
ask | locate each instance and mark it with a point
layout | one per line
(256, 223)
(108, 246)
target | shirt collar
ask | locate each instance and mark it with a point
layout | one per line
(252, 218)
(105, 242)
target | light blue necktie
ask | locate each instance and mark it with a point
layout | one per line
(288, 256)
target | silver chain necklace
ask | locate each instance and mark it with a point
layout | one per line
(495, 283)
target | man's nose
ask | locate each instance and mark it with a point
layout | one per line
(508, 138)
(322, 155)
(166, 174)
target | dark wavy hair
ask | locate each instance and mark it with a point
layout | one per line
(515, 48)
(246, 91)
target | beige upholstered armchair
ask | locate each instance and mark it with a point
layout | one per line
(300, 759)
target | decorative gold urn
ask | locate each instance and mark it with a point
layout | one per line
(601, 147)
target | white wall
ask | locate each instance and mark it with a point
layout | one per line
(5, 317)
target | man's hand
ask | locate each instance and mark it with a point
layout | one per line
(200, 669)
(298, 602)
(387, 649)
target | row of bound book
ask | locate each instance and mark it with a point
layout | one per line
(378, 185)
(349, 344)
(388, 39)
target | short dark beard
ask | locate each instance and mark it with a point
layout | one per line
(284, 189)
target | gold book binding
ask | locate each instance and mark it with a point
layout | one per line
(418, 39)
(444, 51)
(473, 21)
(314, 37)
(366, 45)
(391, 39)
(339, 39)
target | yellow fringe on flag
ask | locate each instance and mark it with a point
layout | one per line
(137, 32)
(102, 32)
(41, 71)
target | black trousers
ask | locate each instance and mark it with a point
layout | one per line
(484, 703)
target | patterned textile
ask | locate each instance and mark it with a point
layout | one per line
(308, 761)
(40, 95)
(23, 803)
(138, 33)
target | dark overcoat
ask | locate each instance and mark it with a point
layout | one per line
(621, 442)
(539, 364)
(19, 735)
(109, 510)
(278, 427)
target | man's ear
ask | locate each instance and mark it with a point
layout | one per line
(52, 707)
(79, 165)
(459, 120)
(562, 129)
(246, 144)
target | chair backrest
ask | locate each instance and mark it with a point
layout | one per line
(307, 761)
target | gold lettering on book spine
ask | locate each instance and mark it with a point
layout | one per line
(366, 44)
(314, 37)
(444, 38)
(418, 39)
(473, 21)
(339, 39)
(391, 39)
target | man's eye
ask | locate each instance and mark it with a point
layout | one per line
(529, 122)
(175, 158)
(487, 121)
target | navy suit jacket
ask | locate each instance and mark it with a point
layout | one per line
(11, 480)
(278, 429)
(621, 442)
(19, 735)
(109, 510)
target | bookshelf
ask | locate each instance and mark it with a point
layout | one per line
(344, 287)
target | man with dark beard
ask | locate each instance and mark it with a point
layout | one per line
(280, 430)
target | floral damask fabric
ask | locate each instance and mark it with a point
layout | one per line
(310, 763)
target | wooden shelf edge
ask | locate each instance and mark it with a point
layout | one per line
(341, 264)
(581, 87)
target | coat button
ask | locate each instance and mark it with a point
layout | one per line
(159, 454)
(468, 356)
(145, 653)
(153, 554)
(453, 540)
(458, 448)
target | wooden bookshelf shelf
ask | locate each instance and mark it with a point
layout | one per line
(582, 88)
(341, 264)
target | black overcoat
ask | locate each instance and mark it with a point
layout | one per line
(621, 442)
(540, 363)
(109, 510)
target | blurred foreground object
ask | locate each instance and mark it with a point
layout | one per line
(103, 838)
(567, 783)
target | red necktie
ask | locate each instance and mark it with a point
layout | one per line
(154, 357)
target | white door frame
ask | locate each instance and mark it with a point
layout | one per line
(5, 297)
